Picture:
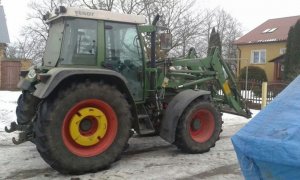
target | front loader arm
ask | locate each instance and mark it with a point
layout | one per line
(228, 84)
(196, 72)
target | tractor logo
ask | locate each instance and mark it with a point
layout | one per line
(84, 13)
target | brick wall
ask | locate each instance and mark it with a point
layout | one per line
(10, 71)
(2, 56)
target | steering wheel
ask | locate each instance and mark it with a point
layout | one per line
(113, 63)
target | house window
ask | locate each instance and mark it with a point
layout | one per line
(282, 50)
(266, 30)
(272, 30)
(269, 30)
(258, 56)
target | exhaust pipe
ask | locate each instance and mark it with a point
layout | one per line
(153, 56)
(153, 38)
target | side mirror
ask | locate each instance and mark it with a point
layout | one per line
(165, 41)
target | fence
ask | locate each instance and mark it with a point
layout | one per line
(10, 71)
(252, 92)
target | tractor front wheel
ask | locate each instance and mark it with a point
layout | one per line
(83, 128)
(198, 128)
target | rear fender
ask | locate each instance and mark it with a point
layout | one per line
(175, 109)
(60, 77)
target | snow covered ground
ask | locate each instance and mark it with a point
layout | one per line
(8, 103)
(146, 158)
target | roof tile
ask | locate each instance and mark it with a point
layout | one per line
(257, 35)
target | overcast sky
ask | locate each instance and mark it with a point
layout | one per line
(250, 13)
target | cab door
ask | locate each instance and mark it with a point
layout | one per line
(123, 53)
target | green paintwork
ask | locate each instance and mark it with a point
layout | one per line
(199, 72)
(101, 44)
(148, 71)
(189, 84)
(146, 28)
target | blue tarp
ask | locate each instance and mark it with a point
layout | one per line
(268, 147)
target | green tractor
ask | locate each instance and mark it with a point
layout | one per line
(97, 86)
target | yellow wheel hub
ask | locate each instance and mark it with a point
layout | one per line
(93, 138)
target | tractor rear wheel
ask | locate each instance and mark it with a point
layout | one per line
(83, 128)
(198, 128)
(26, 108)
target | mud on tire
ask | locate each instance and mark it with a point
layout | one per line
(198, 128)
(65, 155)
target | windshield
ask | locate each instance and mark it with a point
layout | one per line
(122, 43)
(53, 44)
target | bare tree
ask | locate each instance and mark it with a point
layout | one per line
(177, 15)
(133, 6)
(99, 4)
(34, 34)
(228, 28)
(12, 51)
(189, 28)
(26, 48)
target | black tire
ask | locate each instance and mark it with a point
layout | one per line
(26, 108)
(189, 143)
(49, 135)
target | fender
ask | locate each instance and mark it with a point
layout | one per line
(57, 75)
(174, 111)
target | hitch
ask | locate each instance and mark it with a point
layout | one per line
(24, 135)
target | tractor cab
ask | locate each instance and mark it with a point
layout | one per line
(100, 39)
(97, 39)
(92, 38)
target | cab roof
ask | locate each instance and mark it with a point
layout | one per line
(96, 14)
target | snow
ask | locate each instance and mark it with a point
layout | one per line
(146, 158)
(231, 119)
(8, 102)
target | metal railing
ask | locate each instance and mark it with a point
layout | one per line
(252, 91)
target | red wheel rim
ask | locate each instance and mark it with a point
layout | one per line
(201, 125)
(106, 140)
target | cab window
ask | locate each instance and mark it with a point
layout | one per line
(123, 54)
(79, 42)
(122, 44)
